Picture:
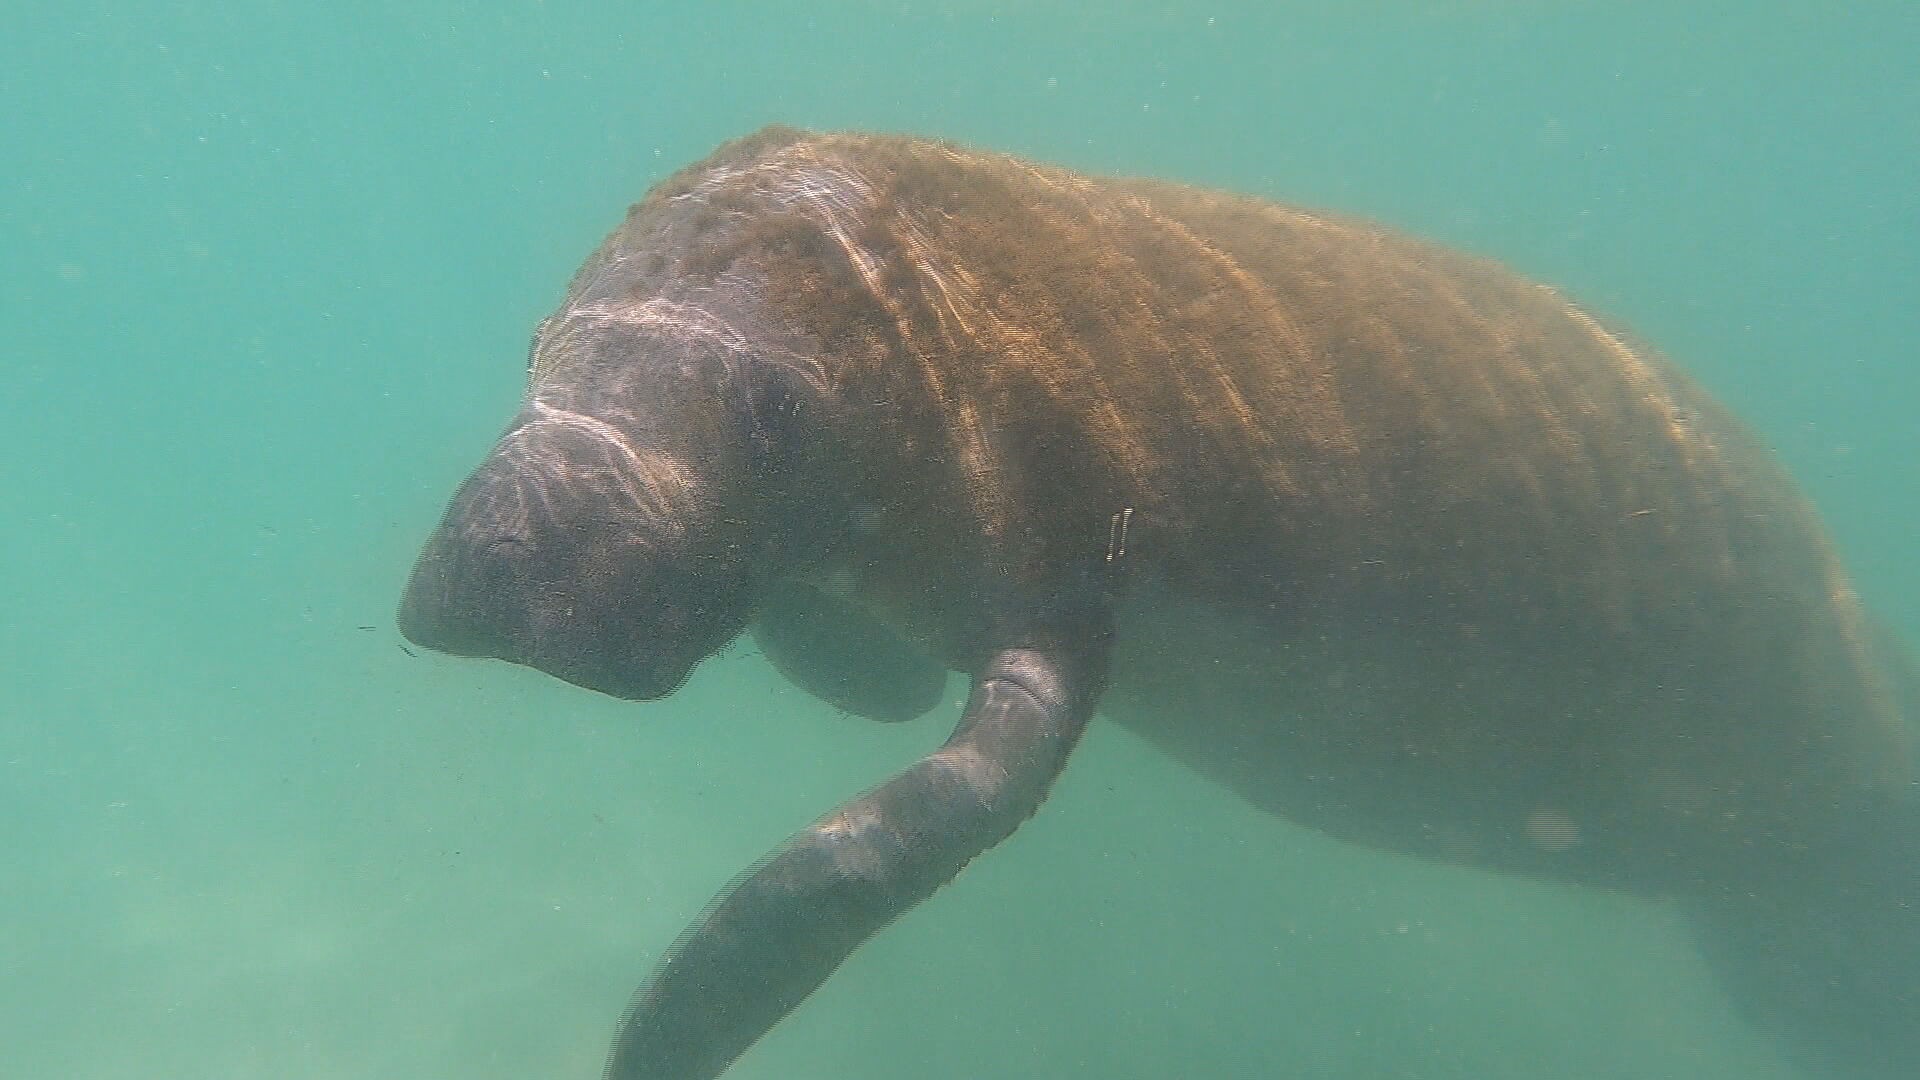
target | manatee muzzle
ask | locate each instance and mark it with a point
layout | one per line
(530, 569)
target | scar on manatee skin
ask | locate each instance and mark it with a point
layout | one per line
(1117, 535)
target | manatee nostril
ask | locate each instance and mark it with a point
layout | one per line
(463, 596)
(508, 545)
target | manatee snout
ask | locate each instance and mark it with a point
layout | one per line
(559, 552)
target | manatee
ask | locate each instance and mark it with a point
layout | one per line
(1387, 539)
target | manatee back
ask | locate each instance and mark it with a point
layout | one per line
(1317, 423)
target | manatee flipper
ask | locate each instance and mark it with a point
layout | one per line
(845, 657)
(766, 942)
(1823, 955)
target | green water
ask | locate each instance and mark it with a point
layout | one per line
(267, 272)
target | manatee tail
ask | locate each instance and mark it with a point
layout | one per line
(1824, 955)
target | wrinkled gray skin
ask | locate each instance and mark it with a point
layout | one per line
(654, 492)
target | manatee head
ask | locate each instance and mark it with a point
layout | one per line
(611, 537)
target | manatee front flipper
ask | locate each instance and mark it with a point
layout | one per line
(845, 657)
(777, 933)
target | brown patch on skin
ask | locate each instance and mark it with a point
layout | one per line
(1305, 413)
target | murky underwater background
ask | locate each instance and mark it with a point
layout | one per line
(268, 274)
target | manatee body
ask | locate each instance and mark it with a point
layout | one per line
(1393, 542)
